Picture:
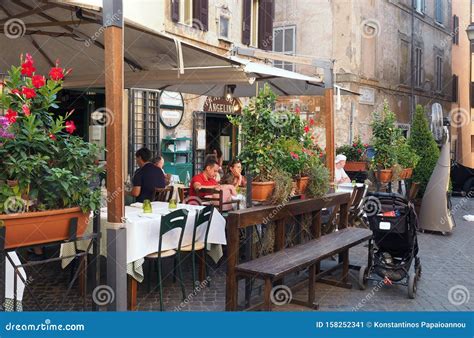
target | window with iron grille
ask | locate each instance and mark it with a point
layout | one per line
(144, 123)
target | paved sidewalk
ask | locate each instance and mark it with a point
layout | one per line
(448, 266)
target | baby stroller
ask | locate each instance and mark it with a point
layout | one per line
(394, 245)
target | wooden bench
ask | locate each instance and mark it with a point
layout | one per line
(274, 267)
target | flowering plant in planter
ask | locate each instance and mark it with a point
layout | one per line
(46, 167)
(355, 152)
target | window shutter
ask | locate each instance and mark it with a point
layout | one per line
(456, 30)
(201, 14)
(265, 24)
(246, 19)
(175, 10)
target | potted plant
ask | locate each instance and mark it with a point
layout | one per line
(356, 154)
(51, 169)
(407, 158)
(384, 139)
(423, 143)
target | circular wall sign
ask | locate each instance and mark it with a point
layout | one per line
(171, 109)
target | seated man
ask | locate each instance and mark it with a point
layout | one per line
(159, 162)
(340, 174)
(147, 178)
(206, 179)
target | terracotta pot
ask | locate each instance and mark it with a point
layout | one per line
(403, 174)
(31, 228)
(409, 173)
(262, 191)
(384, 175)
(302, 184)
(355, 166)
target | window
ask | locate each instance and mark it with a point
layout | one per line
(418, 67)
(404, 62)
(193, 13)
(455, 32)
(224, 26)
(405, 127)
(419, 6)
(439, 73)
(284, 39)
(257, 23)
(439, 11)
(368, 54)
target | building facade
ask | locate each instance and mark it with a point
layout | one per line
(462, 126)
(383, 49)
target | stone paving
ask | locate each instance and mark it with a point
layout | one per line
(447, 283)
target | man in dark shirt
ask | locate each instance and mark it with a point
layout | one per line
(147, 177)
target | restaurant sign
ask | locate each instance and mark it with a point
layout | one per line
(222, 105)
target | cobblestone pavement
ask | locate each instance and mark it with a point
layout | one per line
(447, 283)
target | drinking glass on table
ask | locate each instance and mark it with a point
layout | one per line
(147, 209)
(172, 204)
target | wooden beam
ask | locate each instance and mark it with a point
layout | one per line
(329, 127)
(58, 23)
(114, 86)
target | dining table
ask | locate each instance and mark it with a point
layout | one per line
(143, 232)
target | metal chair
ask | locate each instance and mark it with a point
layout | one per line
(163, 194)
(203, 219)
(173, 220)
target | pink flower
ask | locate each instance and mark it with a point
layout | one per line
(28, 92)
(38, 81)
(11, 115)
(52, 136)
(70, 127)
(26, 110)
(366, 145)
(294, 155)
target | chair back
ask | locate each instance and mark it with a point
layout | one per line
(203, 217)
(183, 194)
(414, 187)
(216, 197)
(164, 194)
(357, 196)
(173, 220)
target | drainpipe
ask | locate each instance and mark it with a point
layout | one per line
(412, 61)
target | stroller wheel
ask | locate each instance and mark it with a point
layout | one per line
(363, 277)
(418, 268)
(412, 281)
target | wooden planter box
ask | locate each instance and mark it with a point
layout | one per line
(262, 191)
(355, 166)
(384, 175)
(31, 228)
(302, 184)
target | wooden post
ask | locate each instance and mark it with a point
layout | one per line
(114, 86)
(329, 126)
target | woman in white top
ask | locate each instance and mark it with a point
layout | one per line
(340, 175)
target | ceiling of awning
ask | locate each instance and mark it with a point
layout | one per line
(50, 30)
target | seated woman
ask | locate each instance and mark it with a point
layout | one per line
(234, 174)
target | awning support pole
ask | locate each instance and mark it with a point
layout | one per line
(114, 84)
(329, 120)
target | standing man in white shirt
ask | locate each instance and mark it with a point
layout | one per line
(340, 175)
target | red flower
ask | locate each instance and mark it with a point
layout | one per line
(26, 110)
(366, 145)
(294, 155)
(56, 73)
(311, 122)
(297, 109)
(28, 92)
(359, 151)
(27, 67)
(11, 115)
(38, 81)
(52, 137)
(15, 91)
(306, 129)
(354, 145)
(70, 127)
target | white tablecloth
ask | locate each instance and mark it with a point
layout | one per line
(143, 231)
